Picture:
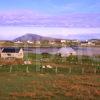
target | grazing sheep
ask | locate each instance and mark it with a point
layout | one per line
(43, 67)
(48, 66)
(27, 62)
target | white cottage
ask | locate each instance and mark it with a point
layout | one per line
(11, 52)
(66, 51)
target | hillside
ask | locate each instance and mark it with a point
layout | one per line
(32, 37)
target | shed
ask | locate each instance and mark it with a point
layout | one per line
(66, 51)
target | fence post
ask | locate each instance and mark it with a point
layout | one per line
(27, 70)
(94, 70)
(10, 69)
(56, 70)
(70, 70)
(82, 70)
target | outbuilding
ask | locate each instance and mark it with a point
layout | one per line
(66, 51)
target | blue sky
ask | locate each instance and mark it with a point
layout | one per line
(60, 14)
(52, 6)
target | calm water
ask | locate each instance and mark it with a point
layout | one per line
(80, 50)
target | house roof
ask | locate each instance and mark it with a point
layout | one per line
(11, 50)
(66, 50)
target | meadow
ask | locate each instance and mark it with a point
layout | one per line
(39, 86)
(68, 79)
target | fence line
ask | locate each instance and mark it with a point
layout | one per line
(56, 70)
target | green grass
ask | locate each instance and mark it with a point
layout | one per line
(30, 86)
(76, 70)
(33, 56)
(58, 59)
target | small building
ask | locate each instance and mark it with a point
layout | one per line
(30, 42)
(87, 43)
(63, 41)
(91, 44)
(52, 42)
(66, 51)
(37, 42)
(0, 51)
(18, 42)
(11, 52)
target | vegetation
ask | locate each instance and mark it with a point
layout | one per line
(29, 86)
(70, 78)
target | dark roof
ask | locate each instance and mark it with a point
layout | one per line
(11, 50)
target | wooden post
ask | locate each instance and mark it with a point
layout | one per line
(27, 70)
(10, 69)
(70, 70)
(94, 70)
(82, 70)
(92, 64)
(38, 68)
(56, 70)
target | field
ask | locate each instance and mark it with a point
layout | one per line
(38, 86)
(31, 82)
(66, 80)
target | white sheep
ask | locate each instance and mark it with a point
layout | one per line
(43, 67)
(48, 66)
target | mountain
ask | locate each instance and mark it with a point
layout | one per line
(32, 37)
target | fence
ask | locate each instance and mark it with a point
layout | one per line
(56, 70)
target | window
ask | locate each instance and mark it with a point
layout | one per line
(9, 54)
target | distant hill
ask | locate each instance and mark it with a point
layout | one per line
(94, 40)
(32, 37)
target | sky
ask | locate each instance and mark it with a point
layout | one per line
(53, 16)
(52, 6)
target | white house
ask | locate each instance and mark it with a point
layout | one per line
(18, 42)
(11, 52)
(66, 51)
(30, 42)
(37, 42)
(63, 41)
(0, 51)
(52, 42)
(91, 44)
(87, 44)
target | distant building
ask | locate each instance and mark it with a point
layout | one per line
(0, 51)
(63, 41)
(18, 42)
(91, 43)
(37, 42)
(52, 42)
(30, 42)
(66, 51)
(75, 41)
(87, 43)
(12, 53)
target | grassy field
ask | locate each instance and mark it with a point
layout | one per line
(66, 80)
(37, 67)
(38, 86)
(45, 84)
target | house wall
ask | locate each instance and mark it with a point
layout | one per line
(19, 55)
(68, 54)
(0, 52)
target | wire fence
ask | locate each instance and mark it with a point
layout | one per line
(52, 70)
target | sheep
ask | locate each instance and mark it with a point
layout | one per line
(43, 66)
(48, 66)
